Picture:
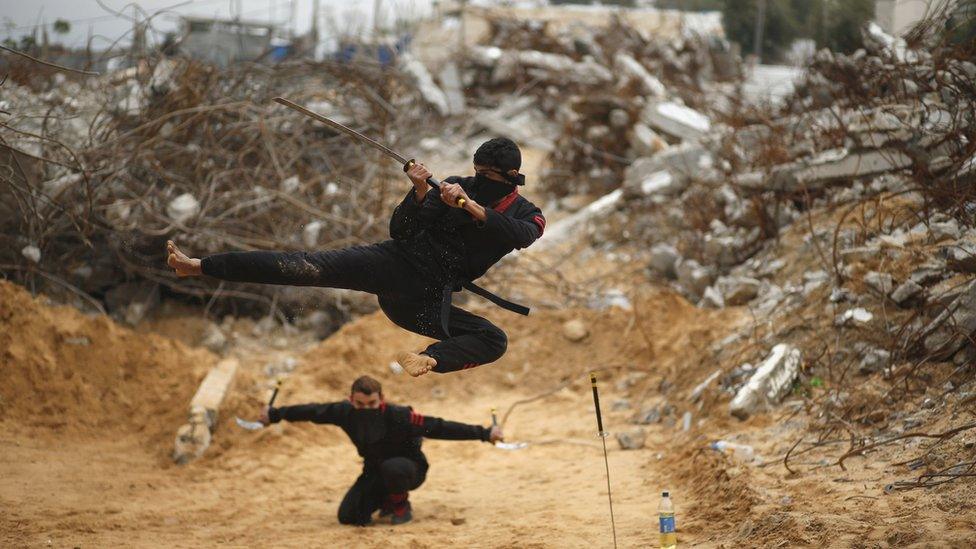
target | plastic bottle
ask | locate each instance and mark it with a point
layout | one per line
(669, 539)
(741, 452)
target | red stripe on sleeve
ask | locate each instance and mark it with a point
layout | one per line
(541, 222)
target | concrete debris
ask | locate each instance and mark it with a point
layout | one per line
(854, 316)
(908, 292)
(632, 69)
(183, 208)
(961, 257)
(664, 257)
(193, 438)
(699, 389)
(422, 78)
(632, 440)
(693, 277)
(879, 282)
(32, 253)
(676, 120)
(874, 360)
(737, 290)
(645, 142)
(954, 327)
(771, 381)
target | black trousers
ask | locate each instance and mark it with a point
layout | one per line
(394, 476)
(409, 296)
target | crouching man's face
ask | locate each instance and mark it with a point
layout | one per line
(362, 401)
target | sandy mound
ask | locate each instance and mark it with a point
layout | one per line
(77, 374)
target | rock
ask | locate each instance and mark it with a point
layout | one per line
(738, 290)
(458, 521)
(722, 250)
(613, 297)
(953, 328)
(290, 184)
(619, 119)
(769, 384)
(712, 299)
(812, 281)
(927, 274)
(961, 257)
(874, 360)
(908, 292)
(697, 392)
(32, 253)
(620, 404)
(693, 277)
(424, 82)
(664, 257)
(646, 142)
(837, 164)
(945, 230)
(214, 339)
(193, 438)
(648, 416)
(575, 330)
(879, 282)
(131, 301)
(853, 316)
(632, 440)
(310, 234)
(183, 208)
(632, 69)
(676, 120)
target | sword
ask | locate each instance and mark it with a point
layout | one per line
(502, 445)
(603, 435)
(256, 425)
(407, 164)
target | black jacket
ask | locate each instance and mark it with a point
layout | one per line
(455, 242)
(397, 432)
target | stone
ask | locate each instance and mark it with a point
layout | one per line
(620, 404)
(193, 438)
(676, 120)
(424, 82)
(646, 142)
(182, 208)
(32, 253)
(908, 292)
(290, 184)
(961, 257)
(953, 328)
(633, 70)
(854, 316)
(664, 257)
(632, 440)
(575, 330)
(648, 416)
(879, 282)
(859, 254)
(945, 230)
(874, 360)
(712, 299)
(771, 381)
(310, 234)
(693, 277)
(738, 290)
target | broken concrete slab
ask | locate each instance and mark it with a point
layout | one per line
(738, 290)
(450, 80)
(961, 257)
(193, 438)
(664, 257)
(676, 120)
(879, 282)
(632, 440)
(424, 82)
(954, 327)
(837, 164)
(633, 70)
(646, 142)
(770, 382)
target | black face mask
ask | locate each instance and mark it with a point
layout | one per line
(490, 191)
(368, 425)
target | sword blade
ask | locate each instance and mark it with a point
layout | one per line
(344, 129)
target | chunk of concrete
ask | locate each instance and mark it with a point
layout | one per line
(193, 438)
(632, 440)
(879, 282)
(961, 257)
(453, 90)
(424, 82)
(676, 120)
(838, 164)
(908, 292)
(738, 290)
(632, 69)
(182, 208)
(664, 257)
(874, 360)
(769, 384)
(954, 327)
(693, 276)
(646, 142)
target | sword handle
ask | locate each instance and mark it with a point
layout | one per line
(274, 395)
(494, 418)
(596, 404)
(430, 180)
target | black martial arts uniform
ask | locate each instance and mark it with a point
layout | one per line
(435, 250)
(388, 439)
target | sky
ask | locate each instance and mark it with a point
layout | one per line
(19, 17)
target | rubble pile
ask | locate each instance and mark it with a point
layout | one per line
(844, 222)
(104, 170)
(597, 99)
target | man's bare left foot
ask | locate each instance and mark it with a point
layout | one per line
(180, 262)
(416, 364)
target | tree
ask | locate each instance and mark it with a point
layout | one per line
(61, 26)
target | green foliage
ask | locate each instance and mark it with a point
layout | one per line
(61, 26)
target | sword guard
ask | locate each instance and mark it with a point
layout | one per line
(408, 165)
(603, 434)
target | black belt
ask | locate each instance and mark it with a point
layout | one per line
(475, 289)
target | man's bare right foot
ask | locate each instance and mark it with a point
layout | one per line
(180, 262)
(416, 364)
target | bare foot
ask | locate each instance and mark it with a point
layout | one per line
(416, 364)
(183, 265)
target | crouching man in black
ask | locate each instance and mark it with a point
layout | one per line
(388, 437)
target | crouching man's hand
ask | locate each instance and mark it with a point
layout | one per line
(496, 435)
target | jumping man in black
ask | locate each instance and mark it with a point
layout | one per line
(388, 437)
(437, 247)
